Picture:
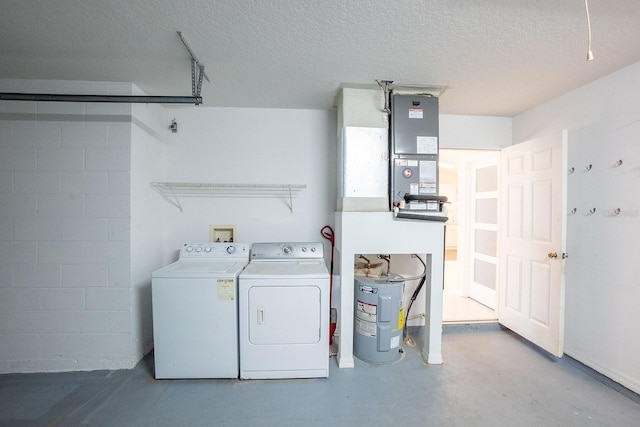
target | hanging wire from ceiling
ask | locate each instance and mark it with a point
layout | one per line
(589, 53)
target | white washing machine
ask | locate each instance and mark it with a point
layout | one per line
(195, 312)
(284, 312)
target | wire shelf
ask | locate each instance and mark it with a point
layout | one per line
(171, 190)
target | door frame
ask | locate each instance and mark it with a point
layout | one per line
(477, 291)
(464, 211)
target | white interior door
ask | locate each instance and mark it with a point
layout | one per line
(532, 242)
(484, 207)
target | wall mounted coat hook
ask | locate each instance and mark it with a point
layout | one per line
(619, 162)
(616, 211)
(589, 166)
(173, 127)
(592, 211)
(572, 169)
(573, 211)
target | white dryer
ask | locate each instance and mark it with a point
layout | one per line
(195, 312)
(284, 312)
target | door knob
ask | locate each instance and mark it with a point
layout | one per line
(552, 255)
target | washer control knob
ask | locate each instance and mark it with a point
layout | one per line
(313, 249)
(198, 249)
(189, 248)
(288, 250)
(231, 249)
(304, 249)
(207, 249)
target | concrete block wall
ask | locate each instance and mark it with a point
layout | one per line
(65, 266)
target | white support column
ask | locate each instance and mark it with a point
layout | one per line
(378, 232)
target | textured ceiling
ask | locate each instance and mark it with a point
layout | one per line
(495, 57)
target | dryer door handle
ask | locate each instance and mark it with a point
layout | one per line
(261, 316)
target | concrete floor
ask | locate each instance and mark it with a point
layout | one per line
(490, 377)
(457, 309)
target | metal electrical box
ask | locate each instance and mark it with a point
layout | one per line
(414, 125)
(414, 175)
(414, 152)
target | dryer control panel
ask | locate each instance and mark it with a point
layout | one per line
(287, 250)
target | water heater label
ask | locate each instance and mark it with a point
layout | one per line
(226, 290)
(395, 342)
(367, 312)
(363, 327)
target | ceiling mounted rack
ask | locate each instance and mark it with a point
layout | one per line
(124, 99)
(172, 190)
(197, 69)
(197, 74)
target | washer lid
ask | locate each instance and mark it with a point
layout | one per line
(200, 268)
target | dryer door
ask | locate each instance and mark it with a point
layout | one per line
(284, 315)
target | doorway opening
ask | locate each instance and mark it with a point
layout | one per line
(469, 179)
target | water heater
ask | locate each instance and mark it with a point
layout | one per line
(379, 318)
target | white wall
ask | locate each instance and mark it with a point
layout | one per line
(602, 271)
(475, 131)
(232, 145)
(81, 230)
(66, 300)
(149, 133)
(251, 146)
(601, 106)
(271, 146)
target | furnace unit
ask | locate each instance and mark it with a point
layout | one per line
(414, 157)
